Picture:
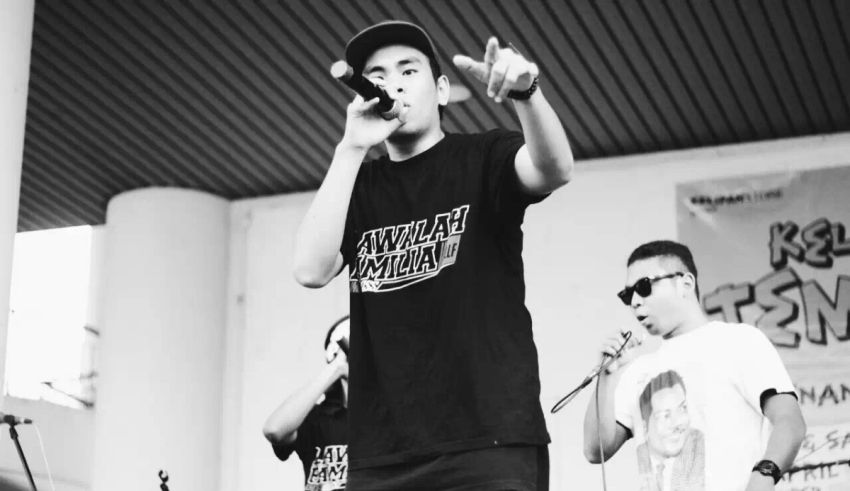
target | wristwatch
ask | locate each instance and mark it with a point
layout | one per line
(768, 468)
(522, 95)
(525, 94)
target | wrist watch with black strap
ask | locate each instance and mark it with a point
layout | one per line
(522, 95)
(525, 94)
(768, 468)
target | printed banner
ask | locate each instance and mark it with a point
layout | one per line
(773, 251)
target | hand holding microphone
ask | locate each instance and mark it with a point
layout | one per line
(340, 360)
(617, 350)
(372, 116)
(615, 354)
(388, 107)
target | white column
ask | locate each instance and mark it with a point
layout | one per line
(162, 341)
(16, 17)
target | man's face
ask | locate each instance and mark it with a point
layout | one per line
(667, 428)
(405, 73)
(660, 311)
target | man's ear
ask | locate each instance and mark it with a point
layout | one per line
(689, 281)
(443, 90)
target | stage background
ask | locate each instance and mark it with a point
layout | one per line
(576, 246)
(773, 251)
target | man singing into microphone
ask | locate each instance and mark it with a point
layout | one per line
(735, 383)
(318, 433)
(444, 386)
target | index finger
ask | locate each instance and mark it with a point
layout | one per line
(491, 51)
(476, 68)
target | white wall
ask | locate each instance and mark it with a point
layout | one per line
(576, 246)
(66, 432)
(16, 19)
(161, 360)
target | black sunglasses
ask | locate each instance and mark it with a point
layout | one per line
(643, 287)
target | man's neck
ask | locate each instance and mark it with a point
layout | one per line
(694, 318)
(403, 148)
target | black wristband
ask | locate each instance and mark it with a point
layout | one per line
(525, 94)
(768, 468)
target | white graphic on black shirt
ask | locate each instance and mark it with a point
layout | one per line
(391, 258)
(329, 471)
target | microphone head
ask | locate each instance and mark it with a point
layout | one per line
(341, 70)
(11, 419)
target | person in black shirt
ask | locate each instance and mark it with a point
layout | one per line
(318, 433)
(444, 375)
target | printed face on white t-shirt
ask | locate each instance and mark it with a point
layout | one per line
(668, 424)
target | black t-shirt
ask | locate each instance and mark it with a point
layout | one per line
(322, 446)
(442, 356)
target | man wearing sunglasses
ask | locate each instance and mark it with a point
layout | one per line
(735, 378)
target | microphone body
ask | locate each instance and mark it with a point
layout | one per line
(343, 345)
(387, 106)
(11, 419)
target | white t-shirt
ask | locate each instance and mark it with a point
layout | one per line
(702, 427)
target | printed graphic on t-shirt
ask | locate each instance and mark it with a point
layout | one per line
(394, 257)
(329, 471)
(672, 455)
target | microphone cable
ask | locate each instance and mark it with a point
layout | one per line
(606, 362)
(599, 436)
(44, 456)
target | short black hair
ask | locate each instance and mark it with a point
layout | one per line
(664, 380)
(666, 248)
(332, 328)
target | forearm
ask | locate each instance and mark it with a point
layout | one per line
(601, 433)
(281, 425)
(545, 138)
(785, 440)
(319, 237)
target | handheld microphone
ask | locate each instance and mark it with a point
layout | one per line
(607, 360)
(343, 345)
(387, 106)
(11, 419)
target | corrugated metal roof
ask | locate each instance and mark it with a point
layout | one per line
(234, 98)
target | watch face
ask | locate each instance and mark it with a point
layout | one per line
(768, 468)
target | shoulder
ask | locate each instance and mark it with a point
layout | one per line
(501, 135)
(726, 330)
(741, 331)
(485, 139)
(635, 374)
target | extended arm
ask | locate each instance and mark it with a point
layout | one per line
(545, 162)
(789, 429)
(281, 427)
(603, 433)
(317, 258)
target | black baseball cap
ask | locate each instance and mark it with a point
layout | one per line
(367, 41)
